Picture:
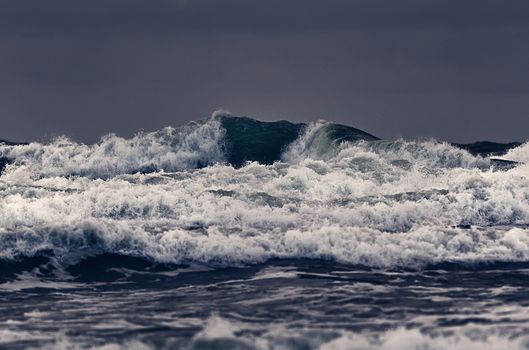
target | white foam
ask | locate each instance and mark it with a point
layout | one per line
(273, 211)
(300, 149)
(280, 336)
(277, 336)
(413, 339)
(518, 154)
(170, 149)
(378, 204)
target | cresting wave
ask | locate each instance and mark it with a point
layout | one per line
(195, 145)
(230, 191)
(222, 139)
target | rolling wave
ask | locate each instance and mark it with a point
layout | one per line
(221, 139)
(195, 145)
(231, 190)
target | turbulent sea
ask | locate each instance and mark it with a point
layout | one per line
(231, 233)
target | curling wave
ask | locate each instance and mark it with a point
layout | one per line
(221, 139)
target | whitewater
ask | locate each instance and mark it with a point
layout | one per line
(235, 233)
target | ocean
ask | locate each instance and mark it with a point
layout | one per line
(233, 233)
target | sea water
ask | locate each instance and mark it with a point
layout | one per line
(239, 234)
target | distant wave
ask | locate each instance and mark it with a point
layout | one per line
(221, 139)
(231, 190)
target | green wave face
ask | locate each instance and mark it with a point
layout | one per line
(330, 136)
(252, 140)
(342, 133)
(248, 139)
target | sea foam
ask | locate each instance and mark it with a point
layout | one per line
(387, 204)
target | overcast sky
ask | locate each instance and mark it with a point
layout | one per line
(457, 70)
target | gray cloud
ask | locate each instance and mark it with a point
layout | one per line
(456, 70)
(254, 16)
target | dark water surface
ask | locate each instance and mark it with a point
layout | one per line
(292, 304)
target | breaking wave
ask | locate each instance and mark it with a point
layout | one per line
(192, 146)
(233, 190)
(221, 139)
(518, 154)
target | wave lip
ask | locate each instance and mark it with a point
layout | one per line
(250, 140)
(221, 139)
(322, 140)
(227, 139)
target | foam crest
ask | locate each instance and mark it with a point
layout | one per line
(194, 145)
(339, 194)
(337, 144)
(397, 339)
(225, 216)
(413, 339)
(432, 154)
(518, 154)
(322, 140)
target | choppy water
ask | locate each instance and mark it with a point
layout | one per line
(233, 233)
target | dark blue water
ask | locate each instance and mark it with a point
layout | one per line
(298, 304)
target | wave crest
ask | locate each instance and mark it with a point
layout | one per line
(337, 194)
(192, 146)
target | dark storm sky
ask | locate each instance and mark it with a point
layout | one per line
(453, 69)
